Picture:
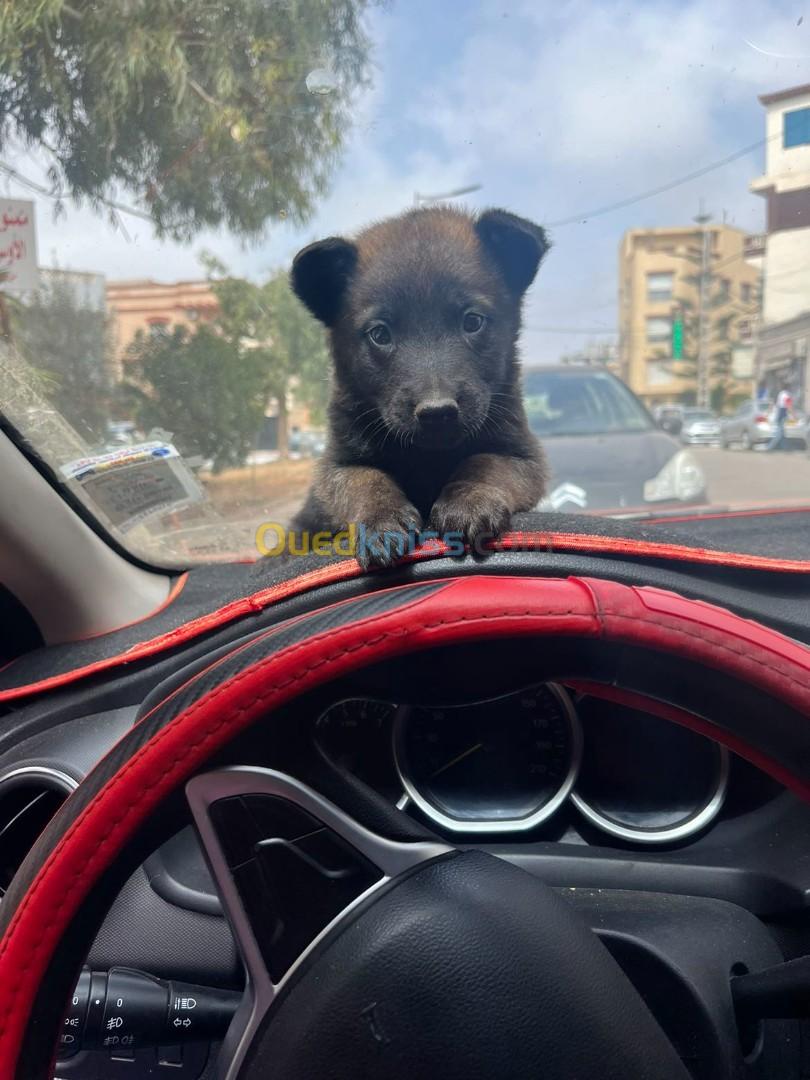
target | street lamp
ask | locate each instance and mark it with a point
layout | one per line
(419, 199)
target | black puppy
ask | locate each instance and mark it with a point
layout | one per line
(426, 421)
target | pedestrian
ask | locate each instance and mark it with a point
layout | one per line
(782, 409)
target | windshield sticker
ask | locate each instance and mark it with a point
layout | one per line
(136, 482)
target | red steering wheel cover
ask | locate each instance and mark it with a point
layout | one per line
(462, 609)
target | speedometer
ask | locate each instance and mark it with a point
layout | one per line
(496, 766)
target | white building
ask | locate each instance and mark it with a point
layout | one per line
(785, 335)
(89, 289)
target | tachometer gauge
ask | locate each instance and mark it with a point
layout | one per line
(355, 735)
(497, 766)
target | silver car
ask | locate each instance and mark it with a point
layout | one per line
(749, 426)
(700, 427)
(752, 425)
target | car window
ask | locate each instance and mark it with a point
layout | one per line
(155, 356)
(560, 403)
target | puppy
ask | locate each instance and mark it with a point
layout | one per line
(426, 420)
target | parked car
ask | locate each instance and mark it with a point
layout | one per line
(700, 427)
(604, 448)
(669, 418)
(752, 425)
(307, 443)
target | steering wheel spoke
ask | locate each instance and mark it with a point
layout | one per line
(289, 866)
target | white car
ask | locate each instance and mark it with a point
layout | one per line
(700, 427)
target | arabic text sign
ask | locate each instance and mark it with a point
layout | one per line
(18, 249)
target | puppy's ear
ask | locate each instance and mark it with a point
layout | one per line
(514, 244)
(321, 274)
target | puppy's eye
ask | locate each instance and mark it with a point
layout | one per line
(472, 323)
(380, 335)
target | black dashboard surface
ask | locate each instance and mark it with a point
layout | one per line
(779, 598)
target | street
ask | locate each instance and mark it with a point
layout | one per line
(745, 477)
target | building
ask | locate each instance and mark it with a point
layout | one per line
(660, 273)
(89, 290)
(151, 305)
(783, 347)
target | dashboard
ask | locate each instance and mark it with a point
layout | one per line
(663, 840)
(592, 796)
(529, 762)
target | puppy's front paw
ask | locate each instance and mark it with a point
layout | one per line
(476, 514)
(386, 539)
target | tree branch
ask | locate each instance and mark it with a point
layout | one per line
(206, 97)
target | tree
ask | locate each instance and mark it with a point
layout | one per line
(67, 342)
(200, 387)
(271, 323)
(199, 110)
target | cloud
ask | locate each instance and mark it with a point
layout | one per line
(565, 109)
(621, 87)
(554, 109)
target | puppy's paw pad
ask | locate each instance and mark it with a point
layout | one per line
(382, 542)
(476, 518)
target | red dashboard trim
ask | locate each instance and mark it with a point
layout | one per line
(347, 569)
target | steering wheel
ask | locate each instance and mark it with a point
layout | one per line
(381, 954)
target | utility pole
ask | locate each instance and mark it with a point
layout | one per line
(703, 388)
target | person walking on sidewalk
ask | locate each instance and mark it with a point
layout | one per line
(784, 404)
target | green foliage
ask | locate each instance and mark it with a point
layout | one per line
(199, 110)
(200, 387)
(68, 343)
(210, 387)
(269, 321)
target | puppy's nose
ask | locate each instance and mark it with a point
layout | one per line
(436, 411)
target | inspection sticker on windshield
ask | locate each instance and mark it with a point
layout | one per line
(131, 484)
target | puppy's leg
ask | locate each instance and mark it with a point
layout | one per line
(363, 496)
(482, 494)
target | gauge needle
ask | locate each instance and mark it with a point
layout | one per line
(456, 760)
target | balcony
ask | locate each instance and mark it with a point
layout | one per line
(754, 246)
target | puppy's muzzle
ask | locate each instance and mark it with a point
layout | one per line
(438, 420)
(437, 413)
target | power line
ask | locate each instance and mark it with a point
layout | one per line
(577, 219)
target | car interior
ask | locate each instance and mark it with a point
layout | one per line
(404, 540)
(566, 780)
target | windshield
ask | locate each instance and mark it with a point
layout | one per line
(162, 163)
(581, 403)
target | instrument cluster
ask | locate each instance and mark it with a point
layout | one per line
(509, 764)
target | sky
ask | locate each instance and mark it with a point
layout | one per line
(555, 109)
